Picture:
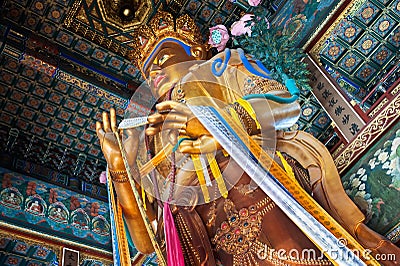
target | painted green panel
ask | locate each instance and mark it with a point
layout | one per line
(374, 181)
(50, 209)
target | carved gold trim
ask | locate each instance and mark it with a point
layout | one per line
(369, 134)
(316, 49)
(394, 233)
(378, 108)
(86, 256)
(142, 13)
(318, 28)
(83, 30)
(92, 89)
(338, 150)
(395, 90)
(34, 235)
(70, 16)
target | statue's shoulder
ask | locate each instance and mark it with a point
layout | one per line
(238, 60)
(235, 62)
(232, 57)
(231, 70)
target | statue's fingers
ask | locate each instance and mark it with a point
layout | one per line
(106, 122)
(99, 130)
(183, 109)
(168, 125)
(155, 118)
(113, 120)
(166, 106)
(168, 118)
(186, 146)
(153, 129)
(175, 117)
(173, 106)
(204, 144)
(209, 144)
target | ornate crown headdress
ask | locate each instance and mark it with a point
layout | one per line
(159, 28)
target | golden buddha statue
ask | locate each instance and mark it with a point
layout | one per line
(212, 221)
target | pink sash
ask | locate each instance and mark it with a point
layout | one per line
(174, 249)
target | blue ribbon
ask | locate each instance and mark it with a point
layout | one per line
(250, 68)
(179, 143)
(219, 63)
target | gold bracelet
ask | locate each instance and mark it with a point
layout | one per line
(119, 176)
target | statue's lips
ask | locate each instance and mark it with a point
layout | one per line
(157, 80)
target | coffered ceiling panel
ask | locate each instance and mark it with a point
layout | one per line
(62, 64)
(364, 46)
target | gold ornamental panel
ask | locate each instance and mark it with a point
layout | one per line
(113, 11)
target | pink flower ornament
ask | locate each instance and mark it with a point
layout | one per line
(103, 177)
(219, 36)
(240, 27)
(254, 2)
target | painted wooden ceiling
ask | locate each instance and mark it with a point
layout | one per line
(17, 252)
(363, 48)
(64, 62)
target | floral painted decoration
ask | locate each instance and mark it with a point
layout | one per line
(103, 177)
(241, 26)
(219, 36)
(254, 2)
(275, 50)
(251, 2)
(374, 181)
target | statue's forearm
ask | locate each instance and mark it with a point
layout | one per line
(133, 218)
(269, 114)
(273, 115)
(265, 104)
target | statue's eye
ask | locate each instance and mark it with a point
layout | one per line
(163, 58)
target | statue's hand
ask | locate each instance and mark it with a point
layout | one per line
(109, 145)
(175, 119)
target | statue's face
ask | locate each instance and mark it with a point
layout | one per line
(163, 70)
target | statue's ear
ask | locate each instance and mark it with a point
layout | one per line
(200, 52)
